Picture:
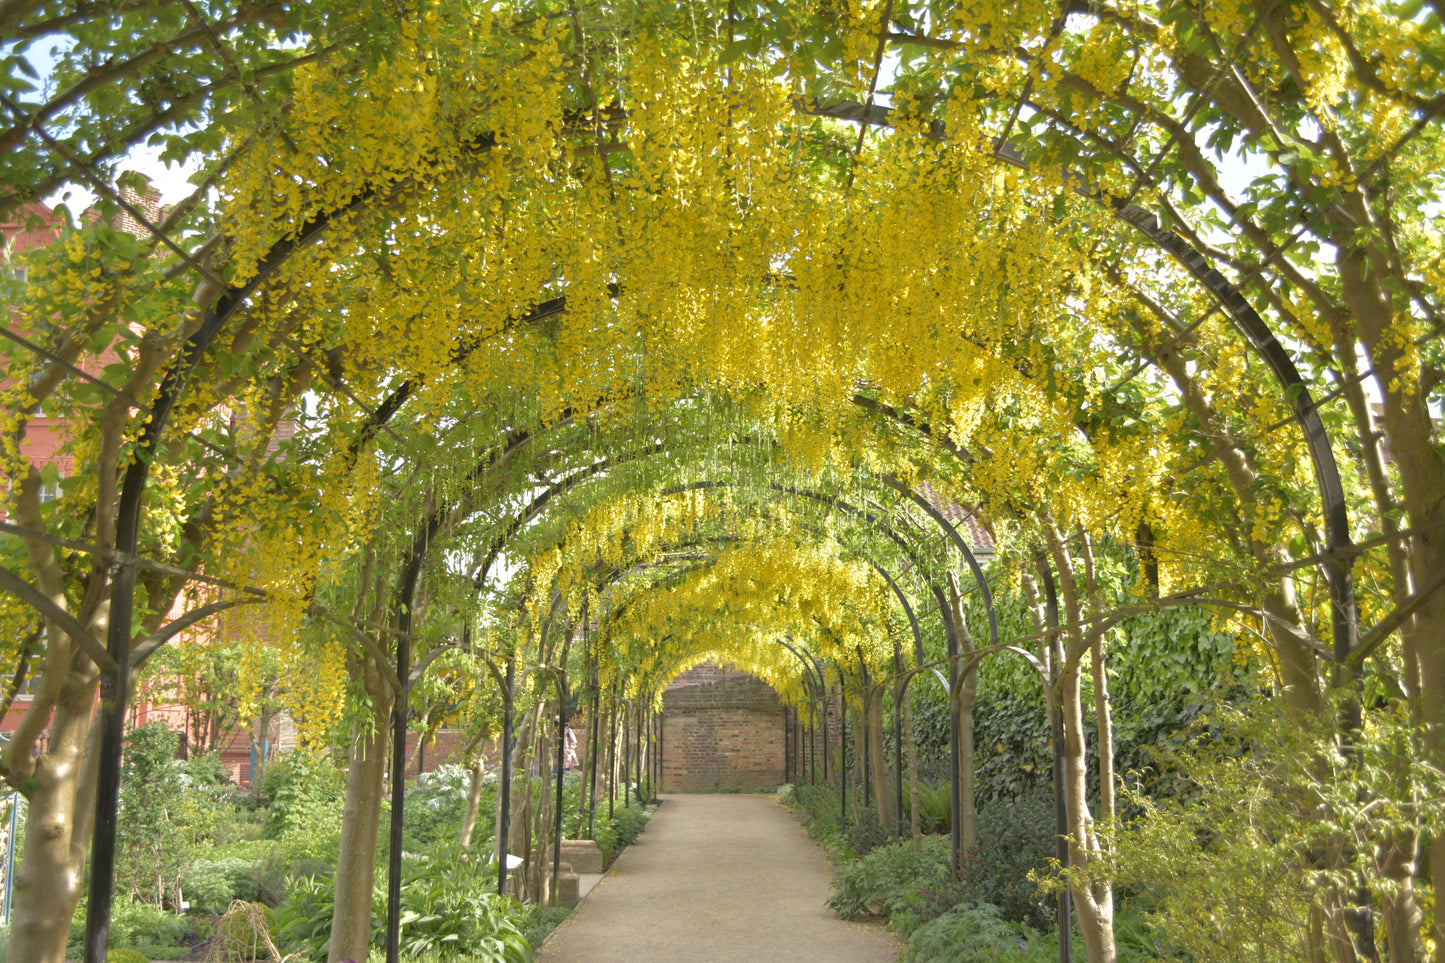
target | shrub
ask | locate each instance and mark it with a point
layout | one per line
(975, 933)
(786, 795)
(616, 834)
(888, 880)
(866, 833)
(275, 868)
(204, 770)
(437, 805)
(303, 794)
(538, 922)
(161, 816)
(126, 956)
(212, 884)
(1013, 841)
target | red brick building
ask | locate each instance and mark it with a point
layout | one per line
(722, 729)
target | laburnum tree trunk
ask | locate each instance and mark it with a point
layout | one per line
(519, 828)
(911, 747)
(1093, 897)
(360, 820)
(477, 772)
(963, 705)
(50, 879)
(1405, 414)
(59, 782)
(887, 817)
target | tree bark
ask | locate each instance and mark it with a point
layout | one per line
(360, 821)
(478, 771)
(50, 877)
(1103, 717)
(886, 815)
(967, 698)
(911, 747)
(1093, 899)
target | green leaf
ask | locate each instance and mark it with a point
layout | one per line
(734, 50)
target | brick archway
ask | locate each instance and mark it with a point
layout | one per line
(722, 729)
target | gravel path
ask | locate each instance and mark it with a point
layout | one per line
(717, 878)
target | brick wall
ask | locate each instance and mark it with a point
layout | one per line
(721, 729)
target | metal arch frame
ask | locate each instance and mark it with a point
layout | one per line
(115, 685)
(819, 691)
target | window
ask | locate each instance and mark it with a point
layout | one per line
(50, 485)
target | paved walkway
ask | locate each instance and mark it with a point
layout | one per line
(717, 879)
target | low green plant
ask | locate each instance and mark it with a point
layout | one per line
(538, 922)
(616, 834)
(436, 806)
(126, 955)
(211, 885)
(1136, 939)
(448, 903)
(935, 808)
(975, 933)
(817, 810)
(887, 881)
(786, 794)
(134, 924)
(303, 917)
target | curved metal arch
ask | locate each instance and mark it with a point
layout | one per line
(963, 549)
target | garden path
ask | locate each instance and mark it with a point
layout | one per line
(716, 879)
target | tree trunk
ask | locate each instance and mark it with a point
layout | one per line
(911, 745)
(1092, 900)
(260, 736)
(360, 821)
(1103, 718)
(474, 800)
(50, 878)
(967, 697)
(886, 815)
(539, 867)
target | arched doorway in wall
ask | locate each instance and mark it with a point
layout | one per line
(722, 730)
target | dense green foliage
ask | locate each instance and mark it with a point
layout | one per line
(891, 879)
(622, 829)
(1164, 668)
(167, 807)
(449, 902)
(303, 794)
(278, 856)
(1210, 864)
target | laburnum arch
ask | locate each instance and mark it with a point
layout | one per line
(875, 236)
